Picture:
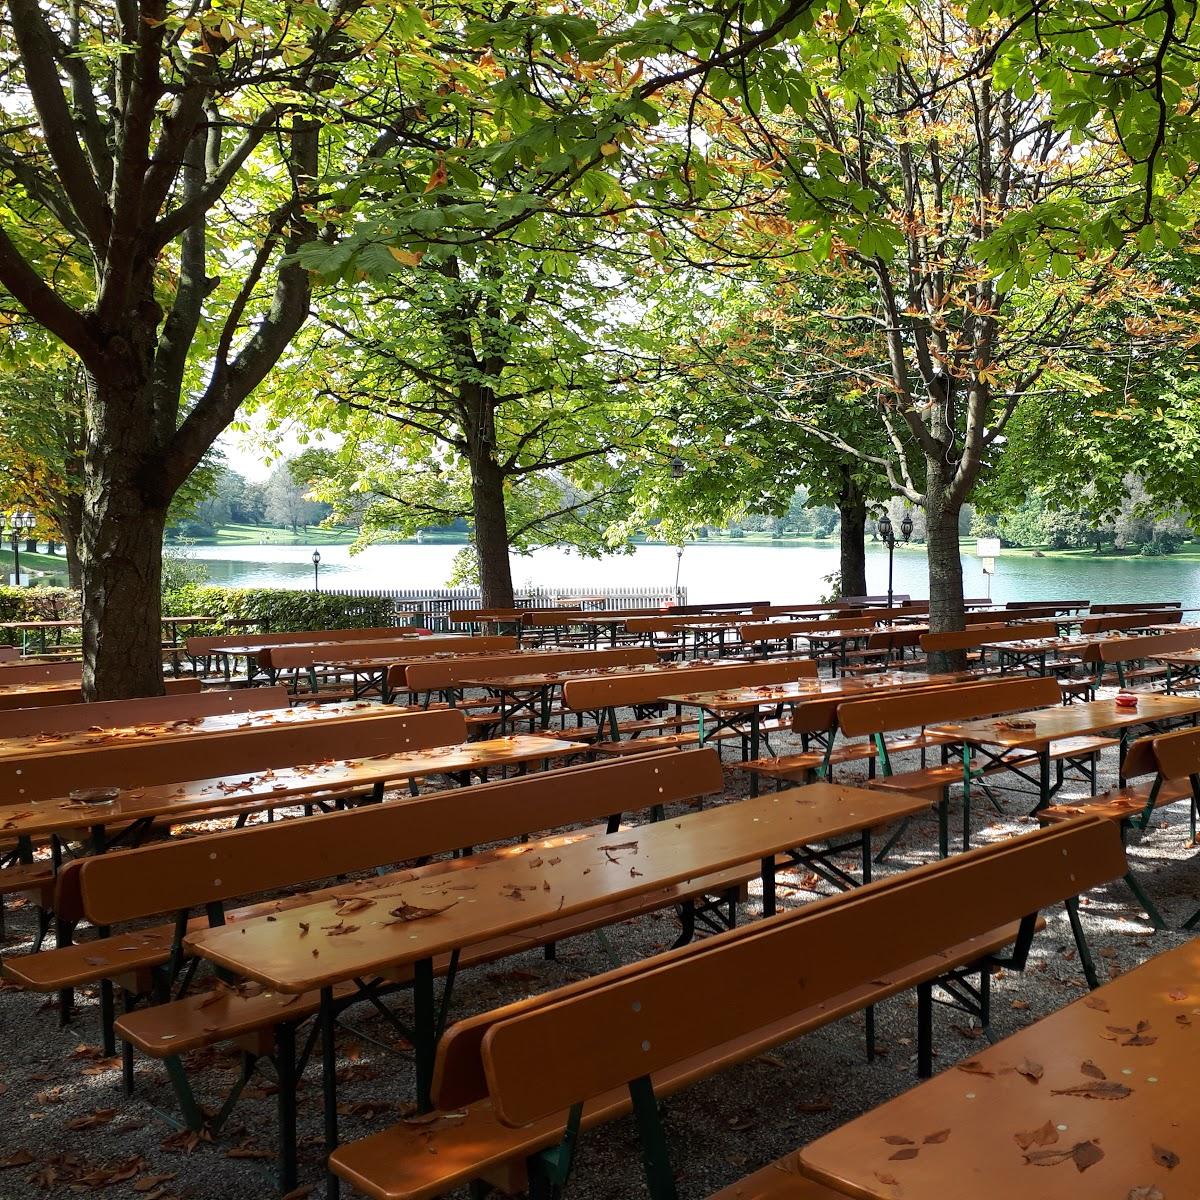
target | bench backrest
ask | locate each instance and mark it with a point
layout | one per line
(1131, 620)
(1176, 755)
(176, 760)
(64, 672)
(844, 942)
(10, 654)
(200, 646)
(1130, 649)
(238, 863)
(771, 631)
(436, 676)
(282, 658)
(958, 702)
(986, 635)
(616, 691)
(1098, 610)
(1056, 605)
(117, 714)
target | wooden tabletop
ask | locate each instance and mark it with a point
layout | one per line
(76, 624)
(1096, 1102)
(1071, 720)
(1186, 658)
(282, 785)
(40, 744)
(311, 946)
(1045, 645)
(808, 689)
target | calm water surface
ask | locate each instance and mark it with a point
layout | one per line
(710, 573)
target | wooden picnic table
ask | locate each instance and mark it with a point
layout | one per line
(50, 691)
(1183, 666)
(1097, 1100)
(55, 744)
(139, 807)
(406, 926)
(1037, 652)
(1067, 721)
(41, 628)
(747, 703)
(534, 691)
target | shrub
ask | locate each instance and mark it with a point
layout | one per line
(279, 609)
(39, 604)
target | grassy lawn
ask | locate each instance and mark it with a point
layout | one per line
(268, 535)
(54, 563)
(1188, 552)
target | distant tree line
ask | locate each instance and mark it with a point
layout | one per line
(1137, 527)
(280, 501)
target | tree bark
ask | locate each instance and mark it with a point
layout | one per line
(121, 549)
(853, 509)
(946, 610)
(491, 531)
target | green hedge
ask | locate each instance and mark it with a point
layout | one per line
(278, 609)
(38, 604)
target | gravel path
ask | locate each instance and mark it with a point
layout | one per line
(66, 1128)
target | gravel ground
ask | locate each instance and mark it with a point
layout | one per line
(66, 1128)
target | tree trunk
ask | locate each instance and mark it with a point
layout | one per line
(853, 510)
(946, 611)
(491, 532)
(120, 552)
(71, 524)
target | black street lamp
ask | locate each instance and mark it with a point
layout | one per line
(20, 524)
(316, 570)
(887, 536)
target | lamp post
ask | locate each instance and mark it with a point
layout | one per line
(316, 570)
(20, 523)
(887, 535)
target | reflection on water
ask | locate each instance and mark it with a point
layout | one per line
(710, 573)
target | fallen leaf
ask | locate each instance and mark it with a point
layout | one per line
(1031, 1070)
(18, 1158)
(1102, 1090)
(935, 1139)
(894, 1139)
(1145, 1193)
(1164, 1157)
(1090, 1068)
(907, 1152)
(352, 905)
(974, 1067)
(1086, 1154)
(414, 912)
(1043, 1135)
(1096, 1002)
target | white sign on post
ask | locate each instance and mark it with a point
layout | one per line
(987, 547)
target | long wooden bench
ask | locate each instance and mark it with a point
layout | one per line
(508, 1107)
(602, 698)
(979, 637)
(207, 873)
(880, 716)
(199, 646)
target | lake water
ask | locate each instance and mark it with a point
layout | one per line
(710, 573)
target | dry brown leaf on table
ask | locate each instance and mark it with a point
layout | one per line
(1031, 1070)
(1177, 994)
(352, 904)
(1145, 1193)
(1096, 1002)
(886, 1179)
(339, 930)
(414, 912)
(1086, 1154)
(906, 1153)
(303, 927)
(1043, 1135)
(1048, 1158)
(974, 1067)
(1089, 1068)
(1101, 1090)
(1164, 1157)
(895, 1139)
(1183, 1019)
(935, 1139)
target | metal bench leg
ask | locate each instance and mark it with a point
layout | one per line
(285, 1070)
(924, 1030)
(870, 1016)
(1085, 954)
(1144, 900)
